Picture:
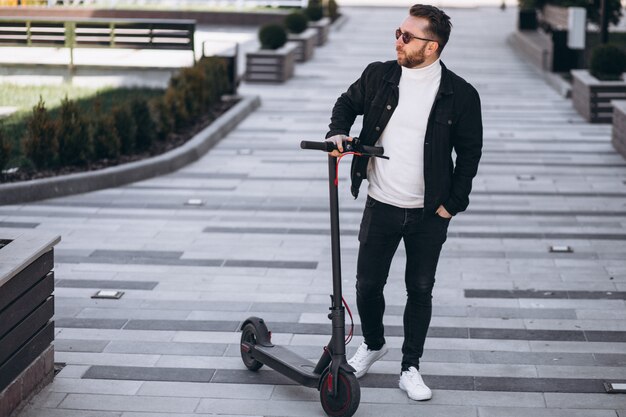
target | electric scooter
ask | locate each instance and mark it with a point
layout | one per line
(339, 389)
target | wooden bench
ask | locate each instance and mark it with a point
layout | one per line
(553, 18)
(98, 32)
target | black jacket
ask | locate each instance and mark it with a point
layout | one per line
(454, 123)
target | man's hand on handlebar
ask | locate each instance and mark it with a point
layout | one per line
(338, 141)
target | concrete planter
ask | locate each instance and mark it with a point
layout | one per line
(323, 29)
(271, 66)
(26, 310)
(592, 97)
(306, 42)
(619, 126)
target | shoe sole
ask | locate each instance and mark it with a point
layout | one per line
(423, 398)
(364, 371)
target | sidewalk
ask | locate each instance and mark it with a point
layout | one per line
(516, 331)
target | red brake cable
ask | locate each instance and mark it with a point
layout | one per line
(339, 160)
(351, 333)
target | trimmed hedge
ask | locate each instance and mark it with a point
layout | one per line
(608, 62)
(296, 22)
(314, 13)
(272, 36)
(76, 135)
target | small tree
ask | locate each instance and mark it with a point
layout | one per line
(163, 119)
(175, 103)
(126, 128)
(333, 10)
(5, 149)
(106, 143)
(40, 143)
(146, 128)
(73, 136)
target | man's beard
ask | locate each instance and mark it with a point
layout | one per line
(413, 60)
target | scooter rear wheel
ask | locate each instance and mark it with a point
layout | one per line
(348, 397)
(249, 337)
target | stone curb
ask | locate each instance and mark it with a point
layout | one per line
(190, 151)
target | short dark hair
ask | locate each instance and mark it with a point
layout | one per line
(439, 25)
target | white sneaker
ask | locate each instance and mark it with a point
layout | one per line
(411, 381)
(364, 358)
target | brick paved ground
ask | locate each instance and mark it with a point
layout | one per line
(517, 330)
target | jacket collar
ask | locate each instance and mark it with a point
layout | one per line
(445, 86)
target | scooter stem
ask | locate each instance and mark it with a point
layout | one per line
(334, 231)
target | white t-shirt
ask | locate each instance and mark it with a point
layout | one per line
(399, 181)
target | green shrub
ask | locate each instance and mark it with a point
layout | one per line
(163, 119)
(125, 127)
(72, 135)
(175, 103)
(217, 82)
(608, 62)
(333, 10)
(146, 128)
(314, 13)
(5, 149)
(40, 143)
(106, 143)
(296, 22)
(190, 86)
(272, 36)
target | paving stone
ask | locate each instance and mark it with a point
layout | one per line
(84, 283)
(134, 414)
(584, 401)
(112, 387)
(72, 371)
(204, 390)
(608, 359)
(88, 358)
(52, 412)
(91, 323)
(135, 373)
(67, 345)
(534, 358)
(171, 348)
(519, 412)
(128, 403)
(305, 408)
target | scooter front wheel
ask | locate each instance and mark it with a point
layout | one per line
(348, 397)
(249, 338)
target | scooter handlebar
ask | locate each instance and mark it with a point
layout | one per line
(353, 146)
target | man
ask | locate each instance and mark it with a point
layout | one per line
(419, 111)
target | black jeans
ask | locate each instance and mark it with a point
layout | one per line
(382, 228)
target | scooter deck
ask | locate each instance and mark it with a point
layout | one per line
(288, 363)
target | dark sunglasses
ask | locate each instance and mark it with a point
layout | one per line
(407, 37)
